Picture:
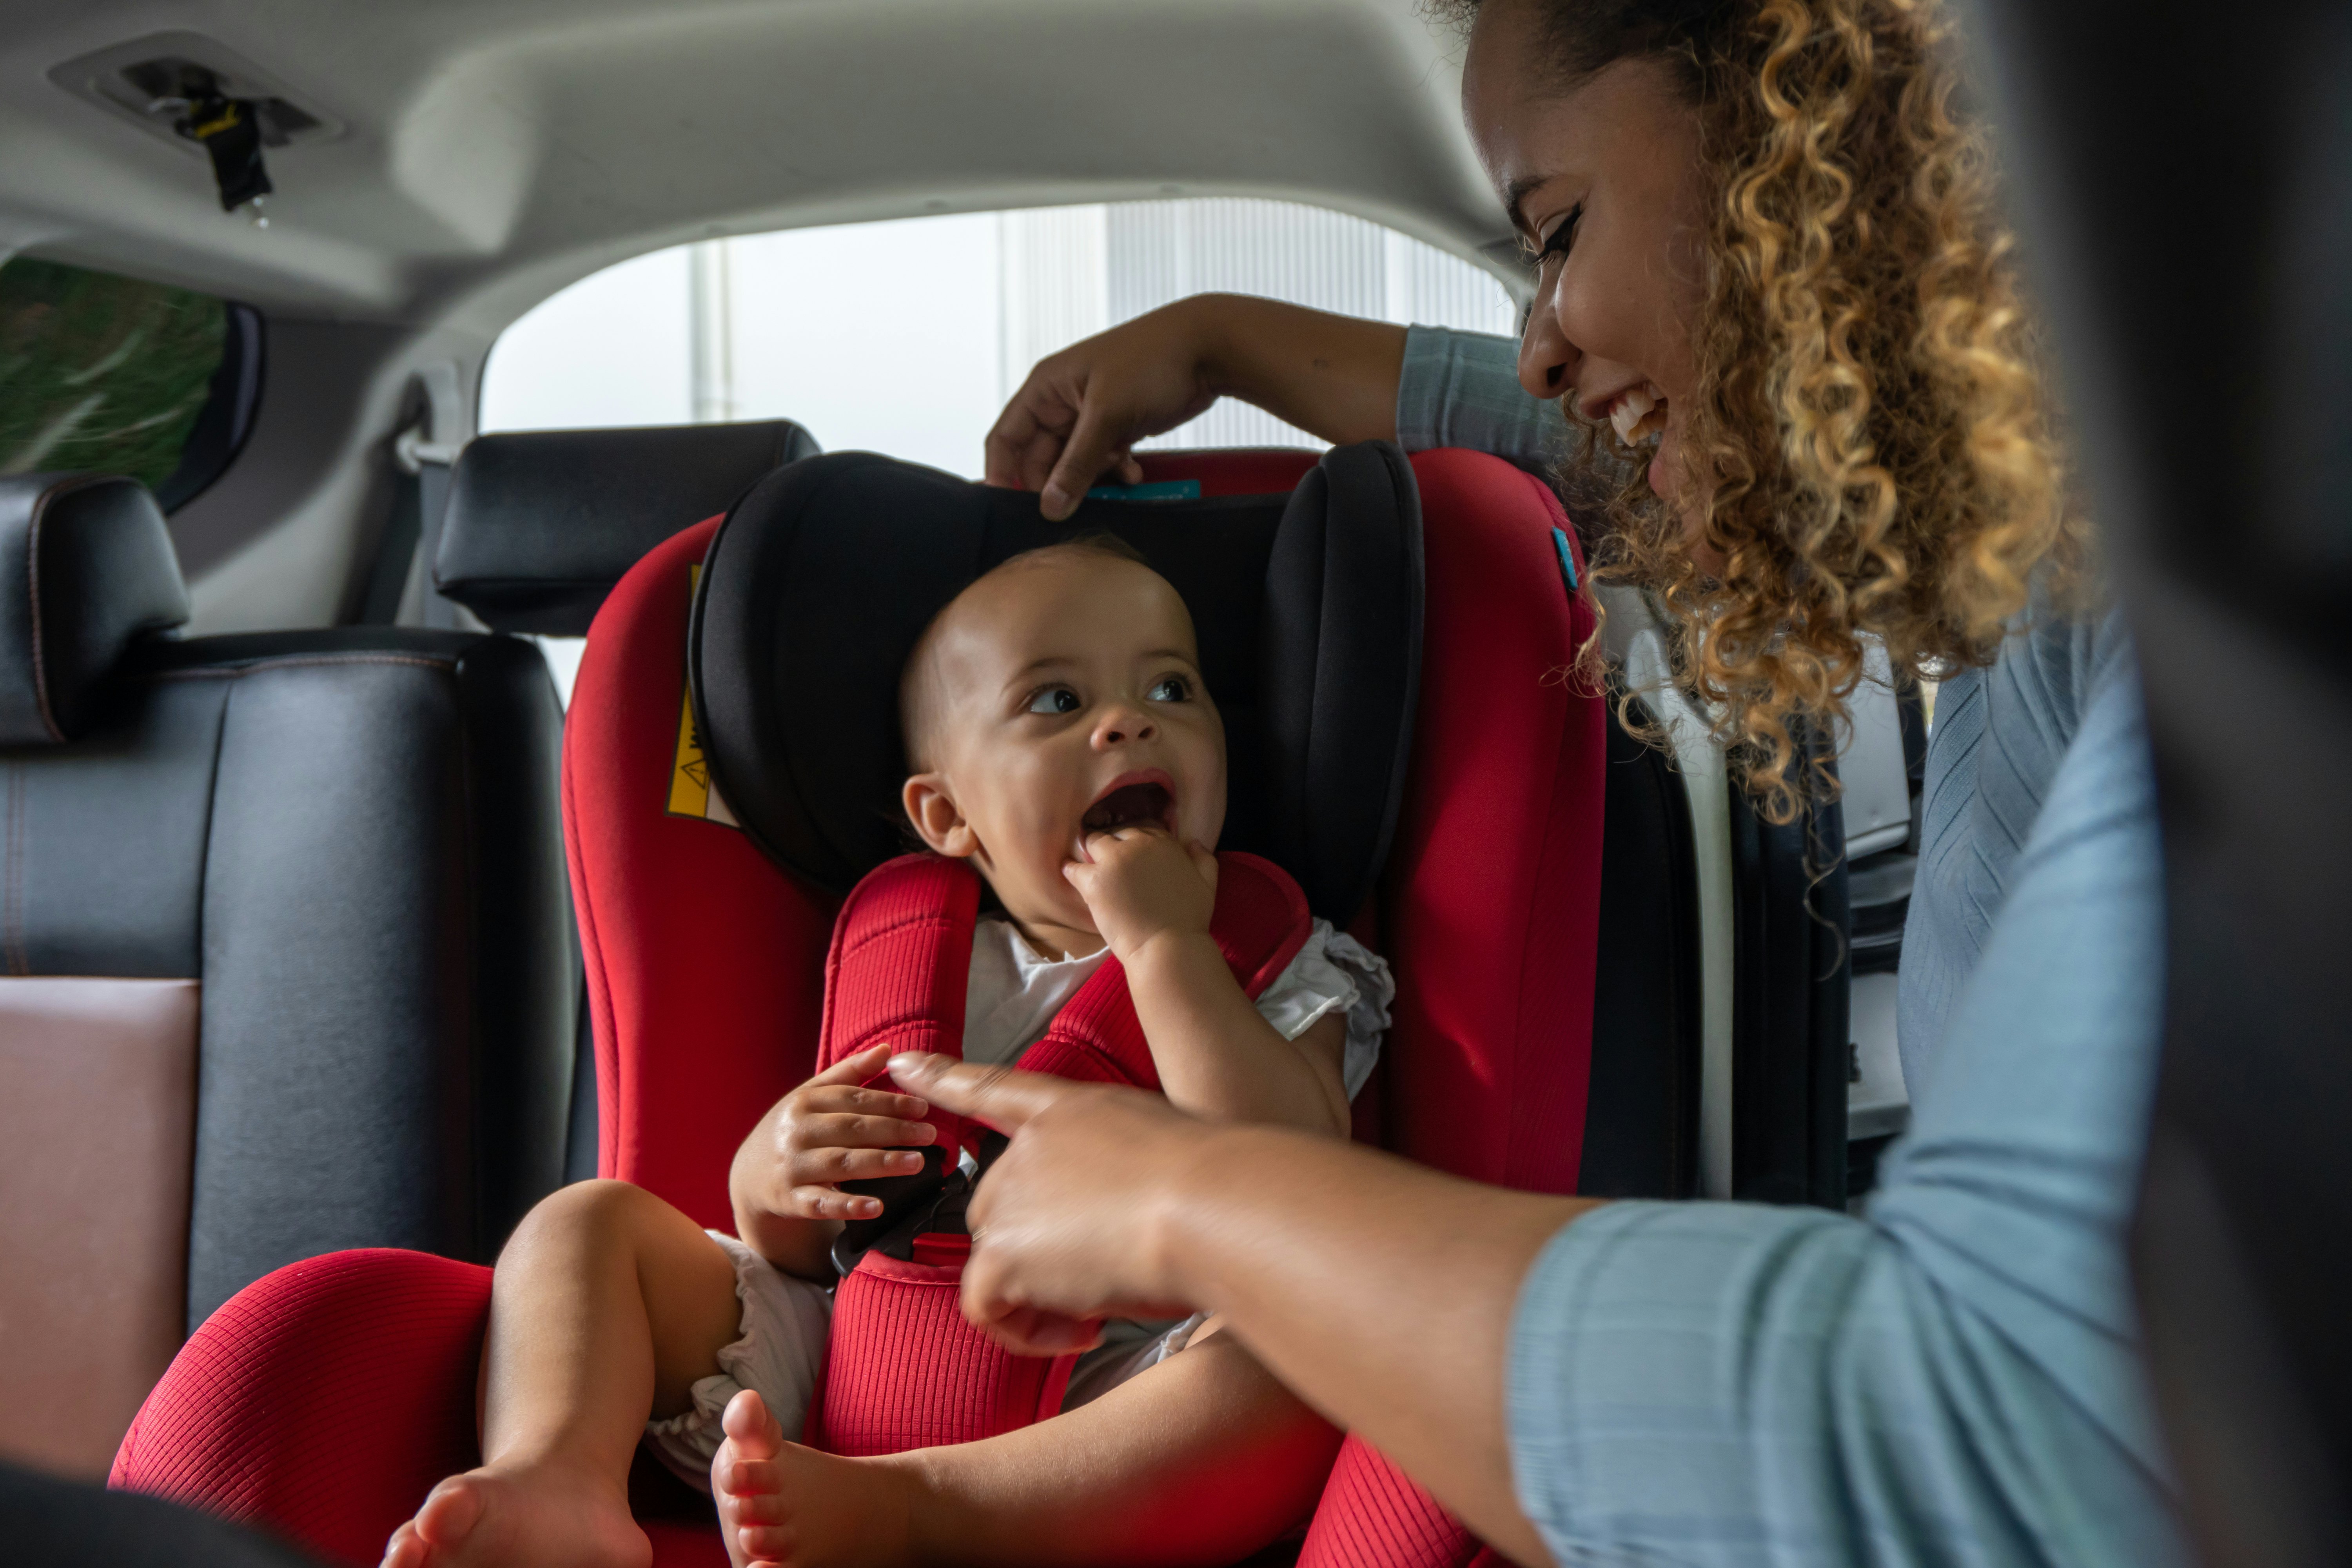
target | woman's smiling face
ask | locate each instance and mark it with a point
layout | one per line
(1603, 180)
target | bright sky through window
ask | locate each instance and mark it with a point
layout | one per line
(906, 337)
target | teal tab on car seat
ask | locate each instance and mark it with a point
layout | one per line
(1164, 490)
(1566, 559)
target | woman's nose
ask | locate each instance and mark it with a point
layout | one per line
(1548, 361)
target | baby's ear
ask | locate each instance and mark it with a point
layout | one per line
(936, 821)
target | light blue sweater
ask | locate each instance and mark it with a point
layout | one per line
(1954, 1377)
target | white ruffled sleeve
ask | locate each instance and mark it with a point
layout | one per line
(1334, 972)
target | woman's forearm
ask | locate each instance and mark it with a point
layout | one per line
(1328, 1260)
(1333, 376)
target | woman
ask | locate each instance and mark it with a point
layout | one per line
(1769, 263)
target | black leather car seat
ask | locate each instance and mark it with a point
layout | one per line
(284, 954)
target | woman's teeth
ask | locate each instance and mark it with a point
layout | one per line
(1639, 415)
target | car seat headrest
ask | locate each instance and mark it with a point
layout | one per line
(1307, 606)
(87, 568)
(542, 523)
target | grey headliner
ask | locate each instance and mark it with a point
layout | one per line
(496, 150)
(499, 149)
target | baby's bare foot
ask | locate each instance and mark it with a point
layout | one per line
(785, 1506)
(516, 1516)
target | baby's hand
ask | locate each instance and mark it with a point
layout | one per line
(1142, 883)
(830, 1131)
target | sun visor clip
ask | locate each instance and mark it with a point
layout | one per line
(229, 130)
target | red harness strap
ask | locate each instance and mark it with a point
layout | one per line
(903, 1370)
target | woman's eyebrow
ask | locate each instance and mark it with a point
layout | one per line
(1517, 191)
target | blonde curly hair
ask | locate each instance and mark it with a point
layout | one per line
(1872, 445)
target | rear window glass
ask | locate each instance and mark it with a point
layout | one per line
(907, 336)
(111, 374)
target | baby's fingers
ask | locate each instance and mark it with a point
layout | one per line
(863, 1133)
(827, 1203)
(820, 1165)
(841, 1100)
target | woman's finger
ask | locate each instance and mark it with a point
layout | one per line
(1083, 457)
(1027, 1331)
(1000, 1097)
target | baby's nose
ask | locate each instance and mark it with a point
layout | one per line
(1122, 726)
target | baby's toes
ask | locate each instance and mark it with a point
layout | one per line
(732, 1475)
(759, 1544)
(753, 1507)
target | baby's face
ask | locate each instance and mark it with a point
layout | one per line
(1067, 698)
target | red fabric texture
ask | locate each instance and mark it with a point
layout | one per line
(1490, 910)
(1233, 471)
(903, 1369)
(704, 958)
(323, 1401)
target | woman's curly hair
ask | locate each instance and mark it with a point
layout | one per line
(1871, 448)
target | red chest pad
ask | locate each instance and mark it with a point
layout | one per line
(902, 961)
(903, 1369)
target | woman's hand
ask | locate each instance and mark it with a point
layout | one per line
(1379, 1291)
(1069, 1224)
(1081, 412)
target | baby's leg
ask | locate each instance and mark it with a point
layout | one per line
(1201, 1460)
(608, 1304)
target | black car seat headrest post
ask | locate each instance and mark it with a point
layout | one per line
(87, 568)
(1307, 606)
(542, 523)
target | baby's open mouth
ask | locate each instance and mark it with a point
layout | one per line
(1639, 415)
(1130, 805)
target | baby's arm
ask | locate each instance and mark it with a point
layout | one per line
(787, 1206)
(1217, 1056)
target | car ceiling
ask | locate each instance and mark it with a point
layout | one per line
(496, 150)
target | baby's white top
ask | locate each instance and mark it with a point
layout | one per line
(1013, 993)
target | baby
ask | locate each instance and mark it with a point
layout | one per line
(1065, 745)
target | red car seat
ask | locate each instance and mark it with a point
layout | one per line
(705, 956)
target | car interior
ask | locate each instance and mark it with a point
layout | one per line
(342, 922)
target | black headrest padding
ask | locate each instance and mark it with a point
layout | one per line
(1308, 606)
(87, 568)
(542, 523)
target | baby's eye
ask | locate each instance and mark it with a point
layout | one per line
(1170, 688)
(1054, 700)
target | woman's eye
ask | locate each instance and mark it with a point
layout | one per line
(1561, 240)
(1170, 688)
(1054, 700)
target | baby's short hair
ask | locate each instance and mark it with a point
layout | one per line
(918, 708)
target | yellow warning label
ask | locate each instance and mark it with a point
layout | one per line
(690, 790)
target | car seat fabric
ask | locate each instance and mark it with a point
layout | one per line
(903, 1369)
(539, 524)
(282, 954)
(365, 1362)
(826, 573)
(705, 956)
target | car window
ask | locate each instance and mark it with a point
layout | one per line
(113, 375)
(907, 336)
